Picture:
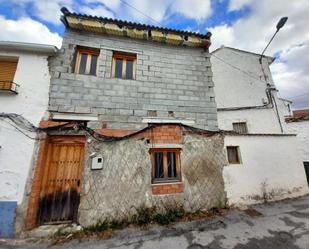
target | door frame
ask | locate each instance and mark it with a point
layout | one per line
(33, 204)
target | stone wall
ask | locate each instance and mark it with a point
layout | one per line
(168, 78)
(124, 184)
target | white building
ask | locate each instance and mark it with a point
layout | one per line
(24, 89)
(299, 123)
(264, 162)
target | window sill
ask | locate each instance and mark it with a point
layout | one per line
(163, 188)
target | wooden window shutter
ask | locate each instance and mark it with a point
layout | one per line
(7, 70)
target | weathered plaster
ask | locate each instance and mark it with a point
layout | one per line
(124, 184)
(271, 169)
(16, 149)
(301, 128)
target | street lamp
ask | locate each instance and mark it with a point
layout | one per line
(280, 24)
(269, 89)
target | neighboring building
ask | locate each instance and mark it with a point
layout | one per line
(284, 105)
(148, 91)
(264, 163)
(24, 87)
(298, 123)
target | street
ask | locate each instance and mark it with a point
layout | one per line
(283, 225)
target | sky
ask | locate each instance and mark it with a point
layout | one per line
(242, 24)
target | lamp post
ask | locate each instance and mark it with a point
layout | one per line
(280, 24)
(269, 89)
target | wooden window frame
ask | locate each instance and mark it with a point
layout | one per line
(166, 179)
(89, 52)
(124, 57)
(239, 161)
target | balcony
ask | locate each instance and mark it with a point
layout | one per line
(9, 86)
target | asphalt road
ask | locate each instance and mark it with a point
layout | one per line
(282, 225)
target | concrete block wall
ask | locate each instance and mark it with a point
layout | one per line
(168, 78)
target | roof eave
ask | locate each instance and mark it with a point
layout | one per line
(28, 47)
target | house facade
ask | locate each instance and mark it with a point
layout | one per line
(137, 124)
(263, 160)
(24, 88)
(139, 117)
(298, 123)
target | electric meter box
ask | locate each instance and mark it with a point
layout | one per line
(97, 163)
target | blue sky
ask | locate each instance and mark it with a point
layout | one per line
(15, 9)
(243, 24)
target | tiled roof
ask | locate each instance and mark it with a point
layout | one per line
(133, 29)
(299, 115)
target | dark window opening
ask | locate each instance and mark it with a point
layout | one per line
(83, 62)
(118, 68)
(159, 165)
(129, 70)
(233, 154)
(165, 165)
(93, 65)
(123, 66)
(171, 162)
(86, 60)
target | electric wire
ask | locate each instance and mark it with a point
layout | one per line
(16, 118)
(139, 11)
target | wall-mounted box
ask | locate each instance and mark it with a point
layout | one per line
(97, 163)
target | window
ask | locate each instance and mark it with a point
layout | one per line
(233, 154)
(86, 61)
(240, 127)
(152, 113)
(165, 165)
(8, 67)
(123, 66)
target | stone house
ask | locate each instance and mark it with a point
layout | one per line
(137, 125)
(263, 160)
(24, 88)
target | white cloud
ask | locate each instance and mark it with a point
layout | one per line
(224, 34)
(194, 9)
(49, 10)
(27, 30)
(154, 12)
(112, 4)
(253, 32)
(97, 11)
(238, 4)
(46, 10)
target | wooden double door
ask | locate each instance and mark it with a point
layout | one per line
(61, 183)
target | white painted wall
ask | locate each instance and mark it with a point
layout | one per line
(239, 82)
(273, 160)
(17, 149)
(238, 78)
(301, 128)
(258, 120)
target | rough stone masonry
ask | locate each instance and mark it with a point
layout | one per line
(124, 185)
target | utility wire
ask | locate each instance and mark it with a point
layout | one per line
(149, 17)
(237, 68)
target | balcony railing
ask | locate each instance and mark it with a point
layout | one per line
(9, 86)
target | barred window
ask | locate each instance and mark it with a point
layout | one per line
(240, 127)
